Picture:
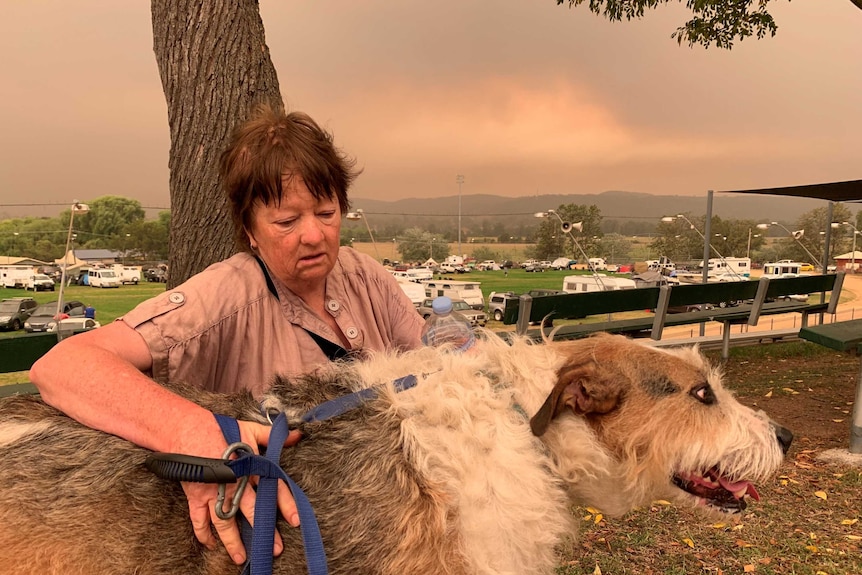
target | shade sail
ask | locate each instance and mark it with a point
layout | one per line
(835, 191)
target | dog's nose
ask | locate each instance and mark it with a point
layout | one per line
(784, 436)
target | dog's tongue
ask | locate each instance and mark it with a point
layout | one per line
(740, 487)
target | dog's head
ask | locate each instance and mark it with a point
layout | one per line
(666, 419)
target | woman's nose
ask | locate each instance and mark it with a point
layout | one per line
(311, 231)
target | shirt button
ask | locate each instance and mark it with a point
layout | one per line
(176, 297)
(333, 305)
(351, 332)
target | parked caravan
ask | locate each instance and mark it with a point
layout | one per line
(596, 282)
(731, 266)
(15, 276)
(784, 269)
(470, 292)
(415, 291)
(598, 264)
(128, 274)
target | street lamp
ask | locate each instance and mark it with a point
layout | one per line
(853, 254)
(748, 249)
(360, 215)
(706, 246)
(797, 235)
(14, 241)
(125, 242)
(567, 228)
(77, 208)
(459, 179)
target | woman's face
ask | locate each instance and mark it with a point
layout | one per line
(298, 239)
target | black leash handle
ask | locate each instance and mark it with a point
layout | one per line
(189, 468)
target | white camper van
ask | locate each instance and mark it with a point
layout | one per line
(597, 282)
(15, 276)
(470, 292)
(102, 278)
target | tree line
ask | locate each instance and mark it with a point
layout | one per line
(119, 223)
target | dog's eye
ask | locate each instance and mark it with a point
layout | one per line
(703, 393)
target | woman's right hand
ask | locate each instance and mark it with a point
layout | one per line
(202, 502)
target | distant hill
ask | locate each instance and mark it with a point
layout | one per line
(614, 205)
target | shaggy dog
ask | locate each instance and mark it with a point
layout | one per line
(473, 471)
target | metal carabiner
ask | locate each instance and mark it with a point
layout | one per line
(240, 488)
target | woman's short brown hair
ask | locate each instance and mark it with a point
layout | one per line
(271, 145)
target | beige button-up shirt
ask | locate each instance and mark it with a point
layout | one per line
(224, 329)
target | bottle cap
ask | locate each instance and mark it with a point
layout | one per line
(441, 305)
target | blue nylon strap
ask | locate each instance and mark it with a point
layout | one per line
(269, 471)
(343, 404)
(266, 505)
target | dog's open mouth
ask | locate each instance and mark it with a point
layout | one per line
(715, 491)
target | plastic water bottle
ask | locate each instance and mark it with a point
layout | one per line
(447, 326)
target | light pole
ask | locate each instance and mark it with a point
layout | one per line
(14, 241)
(567, 228)
(125, 242)
(796, 236)
(459, 179)
(853, 254)
(77, 208)
(748, 249)
(360, 215)
(706, 246)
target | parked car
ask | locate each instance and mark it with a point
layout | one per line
(43, 318)
(534, 267)
(497, 303)
(156, 275)
(688, 308)
(477, 318)
(15, 311)
(41, 282)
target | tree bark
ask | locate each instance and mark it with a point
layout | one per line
(214, 66)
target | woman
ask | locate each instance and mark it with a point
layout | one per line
(289, 301)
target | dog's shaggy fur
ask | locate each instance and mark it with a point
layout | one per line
(471, 472)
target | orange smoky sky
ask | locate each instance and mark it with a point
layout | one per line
(520, 97)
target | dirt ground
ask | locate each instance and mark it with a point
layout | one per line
(811, 393)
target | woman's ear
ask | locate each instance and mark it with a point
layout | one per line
(251, 240)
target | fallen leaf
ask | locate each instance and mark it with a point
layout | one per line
(764, 561)
(849, 521)
(598, 518)
(748, 568)
(768, 394)
(838, 420)
(597, 570)
(812, 548)
(688, 542)
(742, 544)
(593, 510)
(661, 502)
(719, 525)
(790, 390)
(854, 538)
(821, 494)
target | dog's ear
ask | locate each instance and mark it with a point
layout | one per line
(581, 389)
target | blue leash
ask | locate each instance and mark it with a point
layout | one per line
(266, 504)
(223, 471)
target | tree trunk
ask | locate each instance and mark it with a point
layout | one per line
(214, 65)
